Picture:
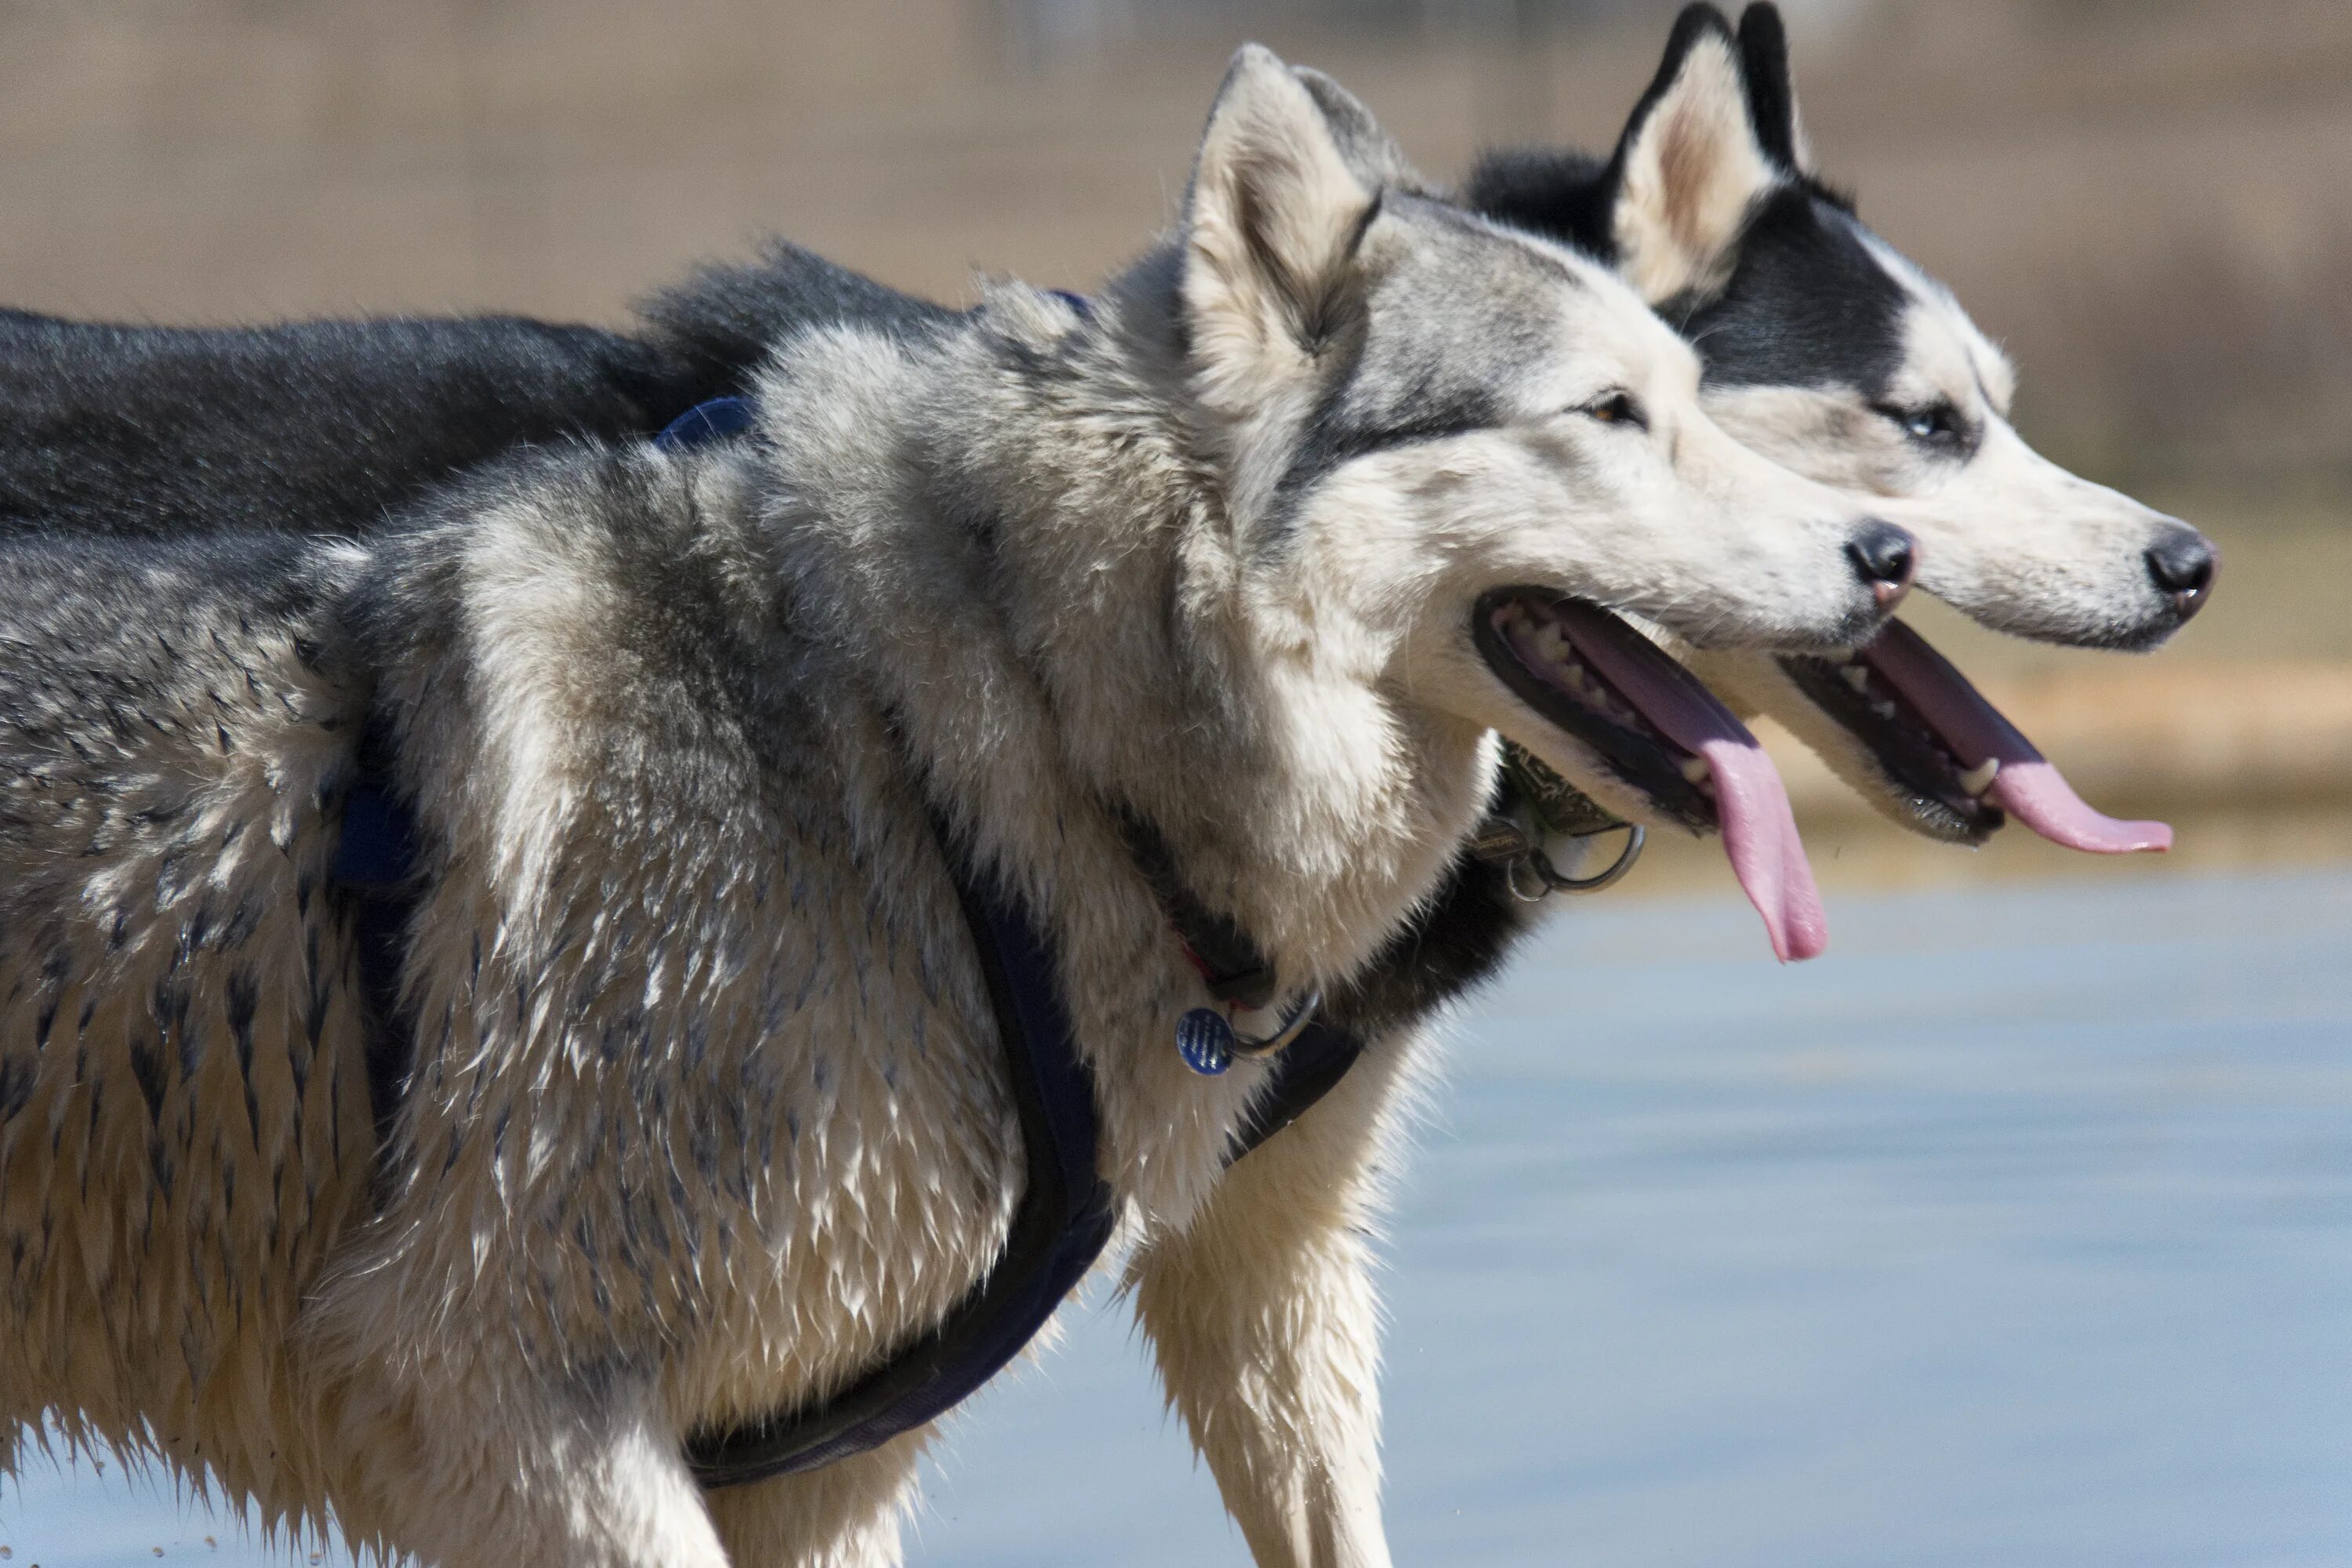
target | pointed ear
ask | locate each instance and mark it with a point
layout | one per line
(1371, 152)
(1772, 87)
(1271, 225)
(1690, 167)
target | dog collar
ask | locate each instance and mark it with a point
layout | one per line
(1307, 1057)
(1244, 1024)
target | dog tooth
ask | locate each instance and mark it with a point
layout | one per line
(1978, 779)
(1697, 770)
(1883, 708)
(1857, 676)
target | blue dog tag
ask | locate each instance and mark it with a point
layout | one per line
(1206, 1040)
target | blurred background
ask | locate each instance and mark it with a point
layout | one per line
(2015, 1231)
(2149, 201)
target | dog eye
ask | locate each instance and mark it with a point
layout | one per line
(1936, 424)
(1617, 408)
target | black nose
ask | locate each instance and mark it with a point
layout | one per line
(2183, 564)
(1882, 556)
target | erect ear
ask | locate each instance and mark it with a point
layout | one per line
(1690, 167)
(1772, 87)
(1271, 225)
(1369, 151)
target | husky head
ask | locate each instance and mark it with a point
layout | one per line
(1451, 451)
(1829, 352)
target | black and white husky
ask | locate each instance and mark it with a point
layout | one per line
(1830, 352)
(1258, 550)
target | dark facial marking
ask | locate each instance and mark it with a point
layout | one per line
(1808, 305)
(1340, 434)
(1433, 369)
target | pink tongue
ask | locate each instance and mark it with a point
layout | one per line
(2028, 787)
(1759, 833)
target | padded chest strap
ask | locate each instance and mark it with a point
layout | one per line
(1061, 1227)
(1066, 1212)
(1064, 1222)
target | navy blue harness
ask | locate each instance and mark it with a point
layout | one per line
(1064, 1222)
(1066, 1211)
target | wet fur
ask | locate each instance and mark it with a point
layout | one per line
(1810, 315)
(704, 1116)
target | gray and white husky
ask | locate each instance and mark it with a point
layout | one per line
(706, 1114)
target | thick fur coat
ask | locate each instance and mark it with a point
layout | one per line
(705, 1116)
(592, 668)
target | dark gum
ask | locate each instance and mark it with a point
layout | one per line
(1637, 760)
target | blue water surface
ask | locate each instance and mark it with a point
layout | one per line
(2018, 1231)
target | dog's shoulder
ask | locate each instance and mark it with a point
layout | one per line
(617, 583)
(672, 863)
(586, 661)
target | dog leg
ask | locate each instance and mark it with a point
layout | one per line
(520, 1482)
(1265, 1323)
(843, 1516)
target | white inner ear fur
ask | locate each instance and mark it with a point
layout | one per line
(1690, 175)
(1273, 212)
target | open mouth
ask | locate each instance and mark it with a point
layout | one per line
(1663, 736)
(1963, 767)
(1946, 797)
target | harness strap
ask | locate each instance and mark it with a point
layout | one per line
(1066, 1211)
(375, 866)
(1309, 1068)
(1064, 1222)
(707, 422)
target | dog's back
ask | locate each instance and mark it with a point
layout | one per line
(319, 427)
(183, 1131)
(331, 427)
